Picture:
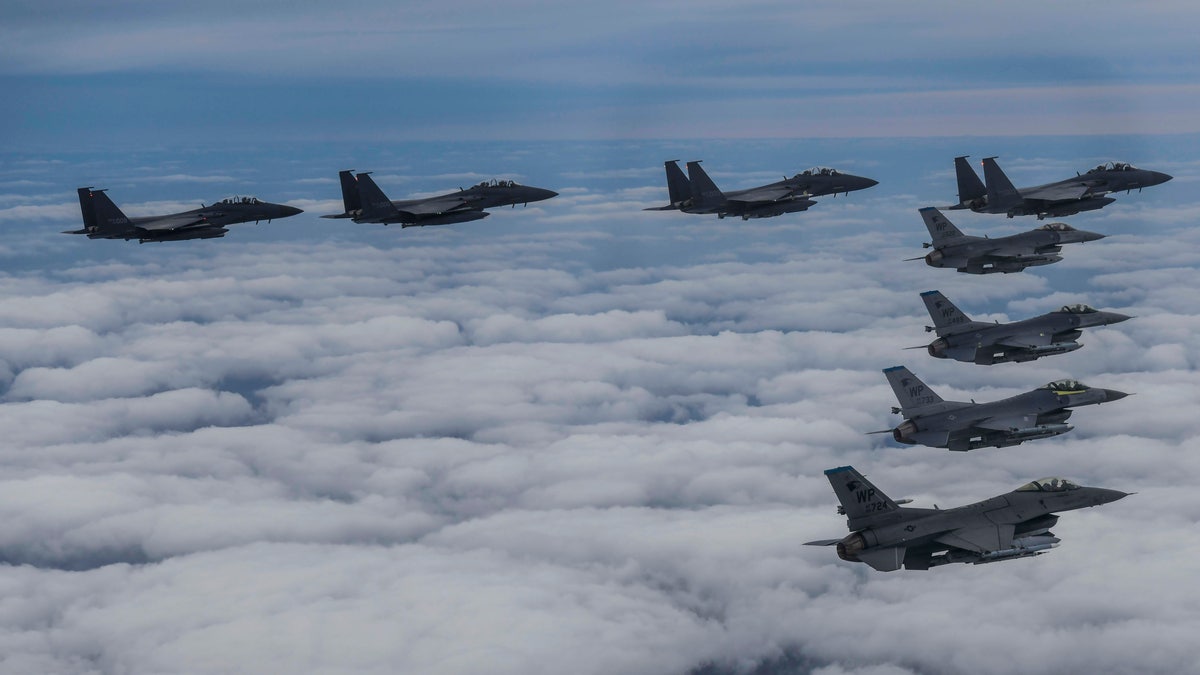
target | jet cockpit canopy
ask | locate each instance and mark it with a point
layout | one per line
(1057, 227)
(1066, 386)
(1114, 166)
(1078, 308)
(497, 183)
(819, 171)
(231, 201)
(1048, 485)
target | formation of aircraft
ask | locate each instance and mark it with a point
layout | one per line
(103, 220)
(983, 255)
(886, 535)
(961, 339)
(1084, 192)
(697, 193)
(365, 202)
(958, 425)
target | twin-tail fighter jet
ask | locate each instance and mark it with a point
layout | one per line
(1013, 525)
(961, 426)
(103, 220)
(962, 339)
(1084, 192)
(365, 202)
(983, 255)
(696, 192)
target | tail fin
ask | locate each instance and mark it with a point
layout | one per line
(704, 191)
(940, 228)
(88, 208)
(678, 185)
(861, 501)
(946, 316)
(107, 216)
(350, 199)
(1000, 190)
(970, 187)
(372, 201)
(911, 392)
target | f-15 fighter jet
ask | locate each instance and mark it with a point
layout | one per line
(364, 202)
(959, 425)
(962, 339)
(103, 220)
(696, 192)
(983, 255)
(1016, 524)
(1084, 192)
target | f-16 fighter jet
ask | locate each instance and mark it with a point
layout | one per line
(696, 192)
(1017, 524)
(962, 339)
(957, 425)
(1084, 192)
(364, 202)
(983, 255)
(103, 220)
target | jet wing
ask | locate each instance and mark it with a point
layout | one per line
(1026, 340)
(760, 195)
(1006, 422)
(1057, 193)
(437, 205)
(983, 539)
(165, 223)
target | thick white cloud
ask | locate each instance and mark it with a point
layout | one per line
(447, 452)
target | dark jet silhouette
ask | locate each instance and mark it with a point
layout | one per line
(364, 202)
(696, 192)
(1013, 525)
(982, 255)
(961, 426)
(103, 220)
(1084, 192)
(962, 339)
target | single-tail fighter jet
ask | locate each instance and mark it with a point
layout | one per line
(983, 255)
(696, 192)
(103, 220)
(364, 202)
(1084, 192)
(962, 339)
(1016, 524)
(960, 426)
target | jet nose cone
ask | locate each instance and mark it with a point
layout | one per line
(1113, 395)
(1084, 235)
(1105, 496)
(539, 194)
(1114, 317)
(1158, 177)
(290, 211)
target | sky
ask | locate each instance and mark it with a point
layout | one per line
(574, 436)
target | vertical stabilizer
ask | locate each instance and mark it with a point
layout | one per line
(940, 228)
(1000, 191)
(704, 191)
(678, 185)
(970, 188)
(107, 216)
(861, 500)
(946, 316)
(350, 199)
(374, 204)
(88, 209)
(911, 392)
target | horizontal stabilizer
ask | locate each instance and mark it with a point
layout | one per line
(822, 542)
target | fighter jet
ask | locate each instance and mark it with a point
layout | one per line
(1017, 524)
(103, 220)
(982, 255)
(960, 426)
(364, 202)
(962, 339)
(696, 192)
(1084, 192)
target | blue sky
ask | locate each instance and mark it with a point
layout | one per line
(578, 436)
